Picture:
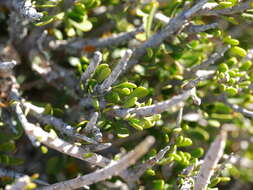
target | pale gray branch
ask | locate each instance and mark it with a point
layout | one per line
(200, 28)
(92, 128)
(237, 108)
(113, 169)
(61, 126)
(51, 140)
(211, 160)
(89, 72)
(154, 108)
(133, 175)
(238, 8)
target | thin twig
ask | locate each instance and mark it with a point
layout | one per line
(211, 60)
(92, 128)
(154, 108)
(96, 60)
(56, 122)
(132, 176)
(211, 160)
(191, 28)
(237, 108)
(238, 8)
(76, 46)
(173, 26)
(113, 169)
(120, 67)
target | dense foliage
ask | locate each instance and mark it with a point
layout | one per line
(99, 76)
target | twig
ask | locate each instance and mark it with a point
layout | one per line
(113, 169)
(120, 67)
(7, 65)
(191, 28)
(236, 108)
(92, 128)
(155, 108)
(96, 60)
(211, 60)
(78, 45)
(57, 123)
(200, 28)
(211, 160)
(240, 7)
(173, 26)
(51, 140)
(26, 9)
(14, 174)
(133, 175)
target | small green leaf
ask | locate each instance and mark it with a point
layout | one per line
(150, 172)
(130, 102)
(239, 51)
(214, 182)
(126, 85)
(122, 132)
(112, 97)
(139, 92)
(223, 67)
(95, 103)
(123, 91)
(246, 65)
(44, 149)
(102, 72)
(197, 153)
(84, 26)
(226, 4)
(136, 124)
(88, 155)
(158, 184)
(231, 90)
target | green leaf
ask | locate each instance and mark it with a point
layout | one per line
(84, 26)
(8, 147)
(197, 153)
(246, 65)
(231, 90)
(88, 155)
(130, 102)
(102, 72)
(223, 67)
(139, 93)
(122, 132)
(154, 6)
(126, 85)
(239, 51)
(158, 184)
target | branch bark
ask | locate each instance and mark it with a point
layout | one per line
(211, 160)
(113, 169)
